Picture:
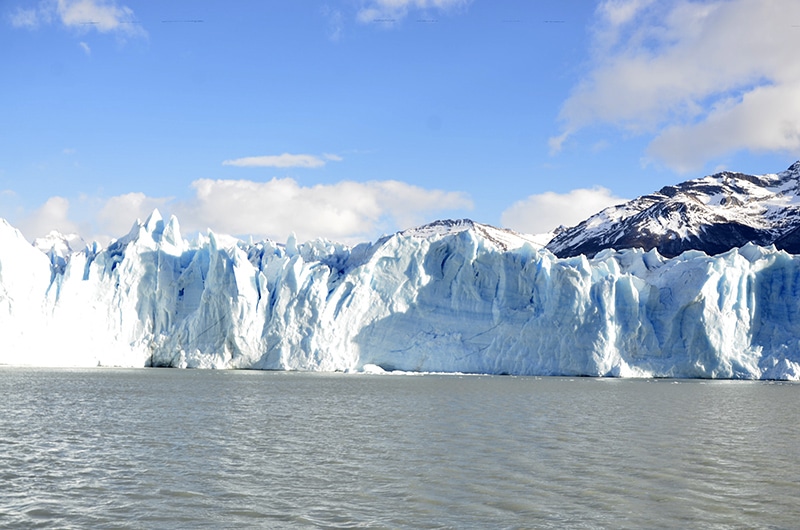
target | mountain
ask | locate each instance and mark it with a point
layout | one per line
(502, 238)
(59, 247)
(713, 214)
(453, 296)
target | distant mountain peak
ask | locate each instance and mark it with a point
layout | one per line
(502, 238)
(713, 214)
(59, 244)
(440, 227)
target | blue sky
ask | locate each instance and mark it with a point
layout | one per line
(352, 119)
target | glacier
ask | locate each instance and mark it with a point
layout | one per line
(449, 297)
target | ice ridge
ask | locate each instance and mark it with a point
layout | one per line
(449, 300)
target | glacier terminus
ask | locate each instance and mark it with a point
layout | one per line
(452, 296)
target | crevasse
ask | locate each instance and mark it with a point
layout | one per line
(442, 301)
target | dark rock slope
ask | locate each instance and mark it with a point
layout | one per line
(712, 214)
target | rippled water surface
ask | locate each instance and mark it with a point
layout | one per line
(230, 449)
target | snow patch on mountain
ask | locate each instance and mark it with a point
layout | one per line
(714, 214)
(62, 245)
(502, 238)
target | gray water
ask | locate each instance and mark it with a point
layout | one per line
(160, 448)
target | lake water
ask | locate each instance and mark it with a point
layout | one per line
(161, 448)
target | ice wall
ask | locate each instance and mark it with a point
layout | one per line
(441, 302)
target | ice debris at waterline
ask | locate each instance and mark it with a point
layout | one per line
(454, 296)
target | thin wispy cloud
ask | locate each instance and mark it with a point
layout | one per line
(27, 18)
(390, 12)
(85, 47)
(703, 79)
(103, 16)
(283, 161)
(335, 21)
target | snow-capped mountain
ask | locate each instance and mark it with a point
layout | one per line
(713, 214)
(454, 296)
(59, 244)
(59, 247)
(502, 238)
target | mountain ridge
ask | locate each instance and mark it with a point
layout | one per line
(713, 214)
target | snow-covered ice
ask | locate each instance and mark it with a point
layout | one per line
(451, 297)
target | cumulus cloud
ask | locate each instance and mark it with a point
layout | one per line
(765, 119)
(104, 16)
(392, 11)
(117, 214)
(345, 211)
(349, 212)
(703, 78)
(52, 215)
(93, 218)
(284, 160)
(544, 212)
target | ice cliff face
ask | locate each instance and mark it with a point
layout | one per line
(452, 296)
(713, 214)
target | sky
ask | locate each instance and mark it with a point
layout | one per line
(353, 119)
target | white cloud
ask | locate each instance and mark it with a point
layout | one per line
(93, 218)
(52, 215)
(335, 22)
(390, 12)
(546, 211)
(85, 47)
(104, 16)
(284, 160)
(681, 71)
(117, 214)
(349, 212)
(766, 119)
(345, 211)
(619, 12)
(26, 18)
(557, 142)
